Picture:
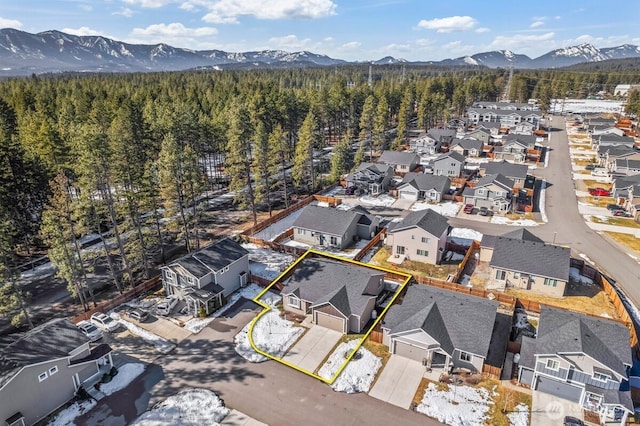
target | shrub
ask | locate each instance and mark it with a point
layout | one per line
(113, 371)
(106, 378)
(201, 312)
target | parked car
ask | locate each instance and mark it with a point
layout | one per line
(590, 167)
(104, 322)
(621, 213)
(613, 207)
(468, 208)
(485, 211)
(573, 421)
(599, 192)
(166, 305)
(138, 314)
(600, 171)
(350, 190)
(90, 330)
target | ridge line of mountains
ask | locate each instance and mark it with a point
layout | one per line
(23, 53)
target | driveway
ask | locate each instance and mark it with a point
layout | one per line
(163, 328)
(399, 381)
(312, 348)
(550, 410)
(402, 204)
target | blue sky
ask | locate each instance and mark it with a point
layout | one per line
(344, 29)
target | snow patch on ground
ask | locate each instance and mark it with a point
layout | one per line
(579, 106)
(66, 417)
(358, 375)
(467, 233)
(500, 220)
(574, 275)
(586, 258)
(272, 231)
(192, 407)
(521, 320)
(293, 243)
(265, 262)
(457, 406)
(383, 200)
(163, 346)
(126, 374)
(271, 333)
(519, 416)
(542, 200)
(445, 209)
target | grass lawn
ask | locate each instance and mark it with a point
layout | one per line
(627, 240)
(617, 221)
(596, 304)
(379, 350)
(595, 184)
(515, 216)
(583, 172)
(597, 201)
(583, 161)
(412, 267)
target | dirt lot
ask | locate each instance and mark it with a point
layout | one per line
(416, 268)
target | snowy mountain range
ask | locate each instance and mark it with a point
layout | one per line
(23, 53)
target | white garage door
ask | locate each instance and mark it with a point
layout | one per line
(407, 195)
(409, 351)
(329, 321)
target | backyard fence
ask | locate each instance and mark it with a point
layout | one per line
(370, 245)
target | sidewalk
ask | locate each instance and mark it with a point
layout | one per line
(613, 228)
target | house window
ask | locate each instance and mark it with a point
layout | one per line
(480, 191)
(169, 274)
(53, 370)
(516, 275)
(550, 282)
(553, 364)
(601, 377)
(191, 280)
(300, 231)
(399, 249)
(501, 275)
(294, 302)
(592, 401)
(465, 356)
(424, 253)
(413, 237)
(42, 376)
(425, 240)
(333, 241)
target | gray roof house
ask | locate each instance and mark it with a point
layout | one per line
(450, 164)
(331, 227)
(580, 358)
(431, 141)
(373, 178)
(626, 166)
(206, 278)
(494, 192)
(420, 236)
(608, 154)
(516, 172)
(446, 329)
(42, 369)
(509, 106)
(483, 135)
(401, 161)
(338, 295)
(521, 260)
(467, 147)
(609, 139)
(419, 186)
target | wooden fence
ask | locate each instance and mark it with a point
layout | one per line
(371, 244)
(492, 371)
(621, 310)
(137, 291)
(475, 246)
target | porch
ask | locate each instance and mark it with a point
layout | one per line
(207, 300)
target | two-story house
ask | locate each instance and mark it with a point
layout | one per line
(607, 155)
(372, 178)
(42, 369)
(626, 166)
(401, 161)
(206, 278)
(494, 192)
(480, 134)
(430, 142)
(421, 186)
(420, 236)
(609, 139)
(331, 227)
(517, 148)
(516, 172)
(426, 327)
(450, 164)
(580, 358)
(521, 260)
(467, 147)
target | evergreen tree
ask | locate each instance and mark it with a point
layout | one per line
(303, 168)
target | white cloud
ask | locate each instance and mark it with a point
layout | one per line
(10, 23)
(483, 30)
(457, 48)
(609, 41)
(351, 45)
(125, 11)
(228, 11)
(450, 24)
(520, 41)
(82, 31)
(536, 24)
(173, 30)
(86, 7)
(289, 42)
(151, 4)
(424, 42)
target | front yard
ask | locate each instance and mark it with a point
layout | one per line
(628, 240)
(615, 220)
(421, 269)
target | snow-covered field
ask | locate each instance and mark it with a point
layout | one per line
(501, 220)
(265, 262)
(272, 334)
(358, 375)
(445, 209)
(192, 407)
(580, 106)
(466, 233)
(382, 200)
(66, 417)
(519, 416)
(272, 231)
(457, 406)
(162, 345)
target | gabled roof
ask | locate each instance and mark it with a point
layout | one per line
(426, 182)
(505, 105)
(52, 340)
(612, 137)
(450, 155)
(454, 319)
(626, 163)
(509, 170)
(328, 220)
(606, 341)
(211, 258)
(320, 280)
(525, 140)
(531, 257)
(616, 150)
(488, 124)
(467, 144)
(428, 220)
(398, 157)
(377, 168)
(440, 134)
(523, 235)
(498, 179)
(484, 131)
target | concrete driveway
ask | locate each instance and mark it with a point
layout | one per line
(399, 381)
(312, 348)
(402, 204)
(163, 328)
(550, 410)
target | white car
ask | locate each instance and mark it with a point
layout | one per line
(90, 330)
(104, 322)
(166, 306)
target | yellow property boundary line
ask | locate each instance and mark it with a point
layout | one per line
(267, 308)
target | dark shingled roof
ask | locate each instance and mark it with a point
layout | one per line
(213, 257)
(374, 167)
(328, 220)
(456, 320)
(509, 170)
(616, 150)
(606, 341)
(49, 341)
(319, 280)
(467, 144)
(531, 257)
(425, 182)
(499, 179)
(522, 234)
(451, 154)
(625, 163)
(398, 157)
(429, 220)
